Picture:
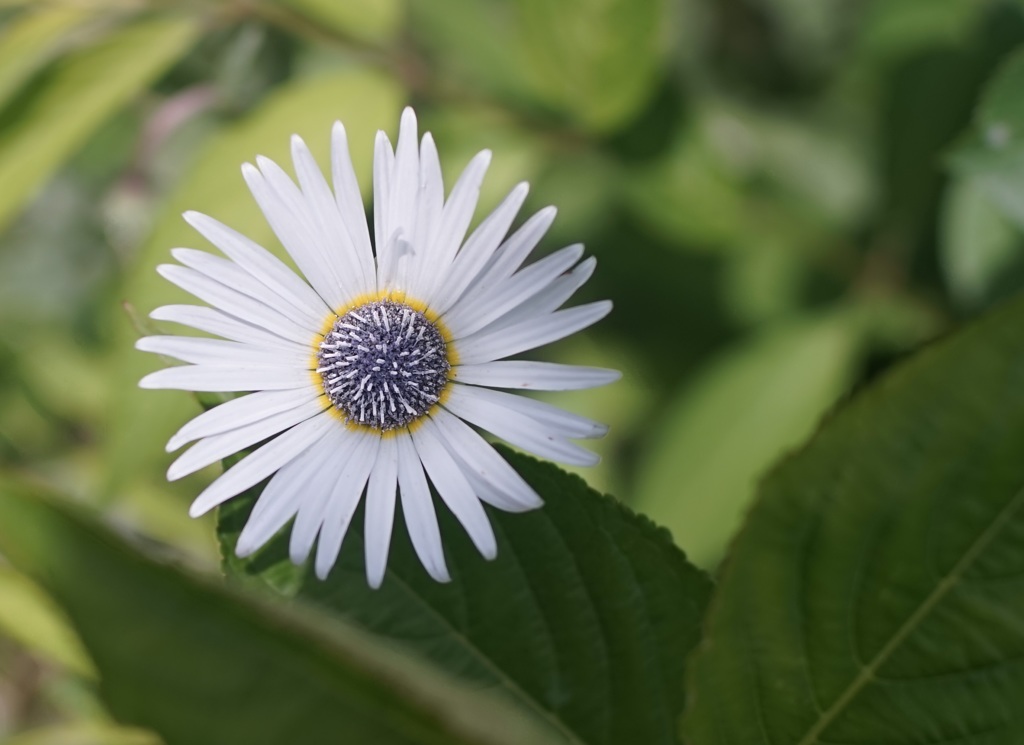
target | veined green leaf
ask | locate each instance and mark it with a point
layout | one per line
(876, 591)
(735, 420)
(201, 664)
(82, 91)
(585, 618)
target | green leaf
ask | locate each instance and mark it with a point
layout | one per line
(1000, 114)
(364, 100)
(875, 591)
(201, 664)
(978, 243)
(597, 60)
(737, 418)
(81, 91)
(32, 40)
(585, 618)
(369, 20)
(29, 617)
(83, 734)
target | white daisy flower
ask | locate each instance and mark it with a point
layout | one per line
(374, 375)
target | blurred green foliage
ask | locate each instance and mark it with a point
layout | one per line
(785, 197)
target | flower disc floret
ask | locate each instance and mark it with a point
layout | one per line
(383, 365)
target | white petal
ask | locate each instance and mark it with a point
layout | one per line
(341, 252)
(338, 447)
(350, 202)
(418, 508)
(550, 417)
(218, 322)
(428, 217)
(380, 510)
(219, 352)
(260, 263)
(227, 379)
(283, 206)
(536, 376)
(454, 489)
(217, 447)
(474, 312)
(548, 300)
(403, 208)
(493, 479)
(232, 275)
(487, 344)
(455, 219)
(512, 253)
(518, 429)
(287, 492)
(348, 488)
(383, 230)
(479, 248)
(235, 303)
(239, 412)
(262, 462)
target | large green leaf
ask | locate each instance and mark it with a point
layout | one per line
(370, 20)
(876, 591)
(76, 96)
(736, 419)
(585, 617)
(204, 665)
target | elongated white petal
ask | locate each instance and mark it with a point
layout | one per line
(428, 217)
(479, 248)
(217, 447)
(218, 352)
(380, 510)
(218, 322)
(232, 275)
(549, 299)
(383, 229)
(512, 253)
(239, 412)
(260, 263)
(227, 379)
(551, 418)
(418, 509)
(453, 487)
(341, 251)
(288, 491)
(348, 488)
(235, 303)
(262, 462)
(339, 447)
(518, 429)
(487, 345)
(403, 209)
(493, 479)
(350, 202)
(474, 313)
(536, 376)
(281, 203)
(455, 220)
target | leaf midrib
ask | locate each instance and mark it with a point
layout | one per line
(941, 589)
